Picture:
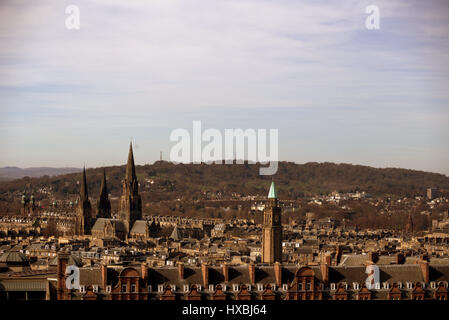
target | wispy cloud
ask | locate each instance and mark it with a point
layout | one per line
(160, 64)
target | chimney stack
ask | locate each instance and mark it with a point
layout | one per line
(278, 273)
(181, 270)
(226, 272)
(400, 259)
(373, 256)
(425, 270)
(252, 273)
(63, 258)
(205, 272)
(324, 266)
(144, 269)
(104, 276)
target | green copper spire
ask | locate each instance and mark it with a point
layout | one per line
(272, 194)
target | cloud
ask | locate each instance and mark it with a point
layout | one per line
(162, 63)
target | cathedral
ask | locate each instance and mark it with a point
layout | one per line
(129, 222)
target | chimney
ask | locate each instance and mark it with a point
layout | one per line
(325, 270)
(328, 259)
(278, 273)
(373, 256)
(337, 256)
(181, 270)
(144, 270)
(400, 259)
(104, 276)
(252, 273)
(63, 258)
(425, 270)
(226, 272)
(205, 272)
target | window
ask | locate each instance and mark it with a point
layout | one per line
(356, 286)
(377, 286)
(333, 286)
(108, 288)
(133, 288)
(260, 287)
(211, 287)
(285, 287)
(150, 288)
(95, 288)
(409, 285)
(173, 287)
(124, 288)
(198, 286)
(433, 285)
(235, 287)
(82, 289)
(186, 288)
(160, 288)
(308, 286)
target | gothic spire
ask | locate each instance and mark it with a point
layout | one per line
(84, 195)
(104, 187)
(130, 168)
(104, 205)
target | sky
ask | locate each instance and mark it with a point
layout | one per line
(136, 70)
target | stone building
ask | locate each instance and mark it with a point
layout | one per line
(272, 229)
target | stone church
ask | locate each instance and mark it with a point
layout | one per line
(128, 225)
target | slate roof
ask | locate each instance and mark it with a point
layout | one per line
(139, 226)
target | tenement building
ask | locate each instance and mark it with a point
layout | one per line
(419, 281)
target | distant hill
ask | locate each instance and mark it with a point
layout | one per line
(9, 173)
(167, 180)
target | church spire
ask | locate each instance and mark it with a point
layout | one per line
(104, 187)
(130, 167)
(104, 205)
(83, 213)
(84, 194)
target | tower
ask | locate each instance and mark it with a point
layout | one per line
(272, 229)
(130, 201)
(84, 210)
(104, 205)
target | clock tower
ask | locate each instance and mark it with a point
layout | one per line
(272, 229)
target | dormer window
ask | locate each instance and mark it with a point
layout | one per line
(186, 288)
(285, 287)
(235, 287)
(260, 287)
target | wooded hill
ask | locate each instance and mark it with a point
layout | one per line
(194, 180)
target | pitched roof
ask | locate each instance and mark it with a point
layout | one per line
(140, 226)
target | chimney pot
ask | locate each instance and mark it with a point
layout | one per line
(181, 270)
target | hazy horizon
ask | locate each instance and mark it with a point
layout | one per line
(336, 91)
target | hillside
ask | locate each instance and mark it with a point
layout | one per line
(191, 180)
